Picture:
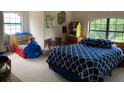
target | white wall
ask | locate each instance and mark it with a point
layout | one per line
(57, 31)
(36, 25)
(85, 16)
(25, 15)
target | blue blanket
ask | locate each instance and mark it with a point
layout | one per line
(79, 62)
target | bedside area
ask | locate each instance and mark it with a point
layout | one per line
(73, 39)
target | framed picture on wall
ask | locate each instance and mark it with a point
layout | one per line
(50, 21)
(61, 17)
(64, 29)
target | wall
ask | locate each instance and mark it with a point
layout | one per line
(57, 31)
(25, 15)
(36, 26)
(85, 16)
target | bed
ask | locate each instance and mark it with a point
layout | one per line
(79, 62)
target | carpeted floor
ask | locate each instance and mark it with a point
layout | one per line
(10, 77)
(33, 70)
(37, 70)
(7, 76)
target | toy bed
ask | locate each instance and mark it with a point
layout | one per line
(20, 41)
(79, 62)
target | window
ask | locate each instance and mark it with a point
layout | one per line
(12, 23)
(109, 28)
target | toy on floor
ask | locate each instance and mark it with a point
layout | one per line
(23, 45)
(32, 50)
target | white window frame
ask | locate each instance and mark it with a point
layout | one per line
(21, 20)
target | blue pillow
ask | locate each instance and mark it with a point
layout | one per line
(89, 41)
(104, 43)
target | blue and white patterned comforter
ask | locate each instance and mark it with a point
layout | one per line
(85, 63)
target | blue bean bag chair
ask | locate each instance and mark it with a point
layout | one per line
(32, 50)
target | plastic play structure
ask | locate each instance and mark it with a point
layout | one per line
(25, 45)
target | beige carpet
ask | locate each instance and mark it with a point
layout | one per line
(33, 70)
(7, 76)
(37, 70)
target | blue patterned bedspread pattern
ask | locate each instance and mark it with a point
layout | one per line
(86, 62)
